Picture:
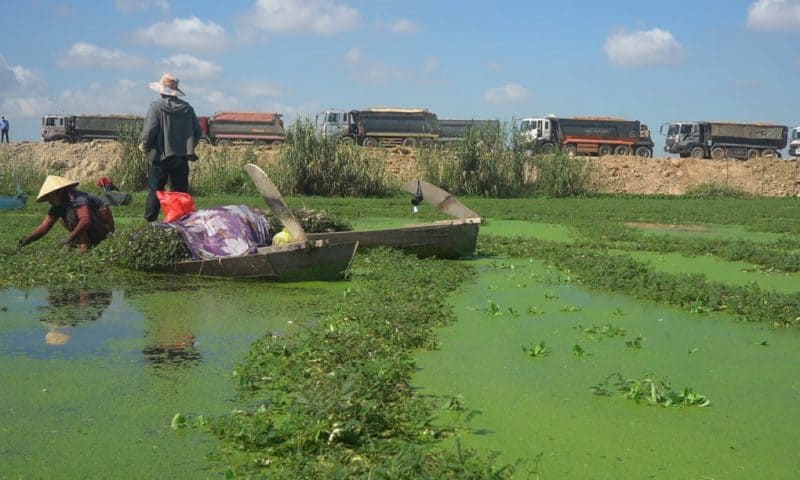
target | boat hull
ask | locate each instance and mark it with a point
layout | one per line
(290, 263)
(447, 239)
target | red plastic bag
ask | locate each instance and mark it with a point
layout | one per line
(175, 204)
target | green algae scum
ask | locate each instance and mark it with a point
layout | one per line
(593, 338)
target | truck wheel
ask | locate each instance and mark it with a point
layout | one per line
(548, 148)
(644, 152)
(698, 153)
(622, 150)
(203, 141)
(370, 142)
(224, 143)
(752, 154)
(717, 153)
(604, 150)
(260, 143)
(347, 141)
(409, 142)
(571, 149)
(276, 143)
(768, 153)
(426, 143)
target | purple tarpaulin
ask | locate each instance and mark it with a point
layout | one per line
(227, 231)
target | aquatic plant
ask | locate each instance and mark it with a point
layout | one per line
(578, 351)
(597, 268)
(336, 400)
(652, 389)
(570, 308)
(635, 343)
(606, 330)
(536, 349)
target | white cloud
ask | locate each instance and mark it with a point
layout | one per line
(26, 107)
(14, 78)
(643, 47)
(509, 93)
(353, 55)
(190, 34)
(188, 66)
(139, 5)
(402, 25)
(373, 72)
(263, 89)
(84, 54)
(494, 66)
(774, 15)
(23, 93)
(430, 65)
(121, 97)
(317, 16)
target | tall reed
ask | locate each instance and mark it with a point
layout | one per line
(486, 162)
(311, 164)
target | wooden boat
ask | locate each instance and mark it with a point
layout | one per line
(442, 239)
(14, 202)
(300, 261)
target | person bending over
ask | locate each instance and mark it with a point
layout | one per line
(87, 218)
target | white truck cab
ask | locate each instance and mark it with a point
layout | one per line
(536, 129)
(53, 127)
(794, 144)
(334, 123)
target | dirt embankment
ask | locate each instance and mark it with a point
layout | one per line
(670, 176)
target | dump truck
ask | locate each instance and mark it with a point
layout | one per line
(720, 140)
(84, 128)
(794, 146)
(381, 126)
(454, 130)
(587, 136)
(227, 128)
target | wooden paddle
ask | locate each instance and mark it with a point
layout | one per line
(440, 199)
(275, 202)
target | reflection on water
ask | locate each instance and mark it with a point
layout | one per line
(179, 354)
(106, 370)
(68, 307)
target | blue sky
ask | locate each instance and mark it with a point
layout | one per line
(652, 61)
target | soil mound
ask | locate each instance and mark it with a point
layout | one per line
(613, 174)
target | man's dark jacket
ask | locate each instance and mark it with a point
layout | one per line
(170, 129)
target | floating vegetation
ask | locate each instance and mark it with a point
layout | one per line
(534, 310)
(579, 352)
(147, 247)
(621, 273)
(762, 343)
(604, 330)
(537, 349)
(570, 308)
(336, 400)
(618, 312)
(652, 389)
(494, 309)
(636, 343)
(550, 295)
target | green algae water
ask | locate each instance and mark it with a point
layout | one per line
(543, 407)
(92, 378)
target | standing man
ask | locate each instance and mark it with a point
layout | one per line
(170, 133)
(4, 126)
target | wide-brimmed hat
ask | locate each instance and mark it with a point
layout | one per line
(168, 85)
(54, 183)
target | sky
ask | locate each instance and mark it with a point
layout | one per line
(657, 62)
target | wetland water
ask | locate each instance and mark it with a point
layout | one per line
(528, 405)
(92, 378)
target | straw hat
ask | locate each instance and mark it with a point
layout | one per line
(54, 183)
(168, 85)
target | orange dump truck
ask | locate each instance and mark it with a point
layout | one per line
(227, 128)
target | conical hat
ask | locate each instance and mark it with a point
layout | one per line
(53, 183)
